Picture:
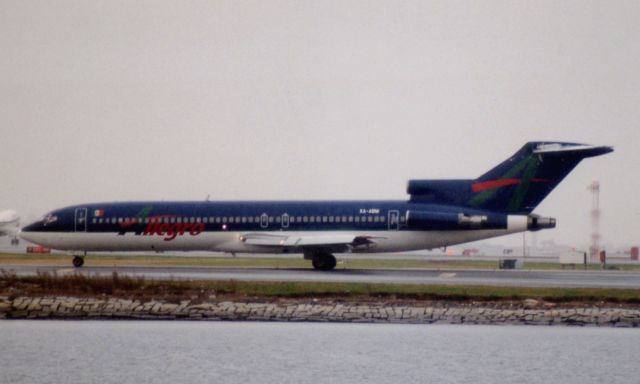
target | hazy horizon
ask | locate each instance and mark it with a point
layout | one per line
(280, 100)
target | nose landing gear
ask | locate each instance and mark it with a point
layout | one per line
(78, 261)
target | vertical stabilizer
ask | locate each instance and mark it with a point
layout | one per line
(517, 185)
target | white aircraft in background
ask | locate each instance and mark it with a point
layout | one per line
(10, 225)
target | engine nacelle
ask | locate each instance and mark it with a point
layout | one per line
(536, 223)
(425, 220)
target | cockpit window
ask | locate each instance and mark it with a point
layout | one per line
(49, 219)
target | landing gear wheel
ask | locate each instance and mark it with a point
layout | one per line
(324, 262)
(78, 261)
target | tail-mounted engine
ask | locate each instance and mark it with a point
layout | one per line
(536, 223)
(424, 220)
(452, 221)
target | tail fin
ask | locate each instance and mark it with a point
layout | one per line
(515, 186)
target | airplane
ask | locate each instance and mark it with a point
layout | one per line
(438, 213)
(10, 225)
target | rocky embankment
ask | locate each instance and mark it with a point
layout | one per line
(529, 312)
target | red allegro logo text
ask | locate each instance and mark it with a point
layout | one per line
(170, 231)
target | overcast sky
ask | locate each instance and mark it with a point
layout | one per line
(177, 100)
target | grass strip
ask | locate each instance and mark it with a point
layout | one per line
(176, 290)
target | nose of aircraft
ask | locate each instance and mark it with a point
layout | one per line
(30, 231)
(28, 236)
(32, 227)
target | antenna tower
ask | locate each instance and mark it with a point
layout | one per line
(594, 250)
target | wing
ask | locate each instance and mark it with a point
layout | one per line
(9, 231)
(9, 223)
(335, 242)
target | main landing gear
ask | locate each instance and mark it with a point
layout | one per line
(78, 261)
(322, 261)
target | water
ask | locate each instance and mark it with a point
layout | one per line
(205, 352)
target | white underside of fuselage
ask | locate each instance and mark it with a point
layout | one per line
(381, 241)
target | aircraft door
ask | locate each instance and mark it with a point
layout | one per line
(285, 220)
(81, 220)
(264, 220)
(394, 220)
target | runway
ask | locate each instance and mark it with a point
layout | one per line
(519, 278)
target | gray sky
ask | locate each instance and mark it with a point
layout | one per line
(141, 100)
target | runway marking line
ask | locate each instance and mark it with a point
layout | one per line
(66, 270)
(447, 275)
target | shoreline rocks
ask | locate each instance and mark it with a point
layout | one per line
(74, 308)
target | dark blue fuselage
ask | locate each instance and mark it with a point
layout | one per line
(239, 216)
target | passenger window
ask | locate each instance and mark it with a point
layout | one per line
(305, 219)
(331, 218)
(357, 219)
(312, 219)
(370, 219)
(277, 219)
(271, 219)
(244, 219)
(337, 219)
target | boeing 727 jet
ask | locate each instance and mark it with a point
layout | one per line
(438, 213)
